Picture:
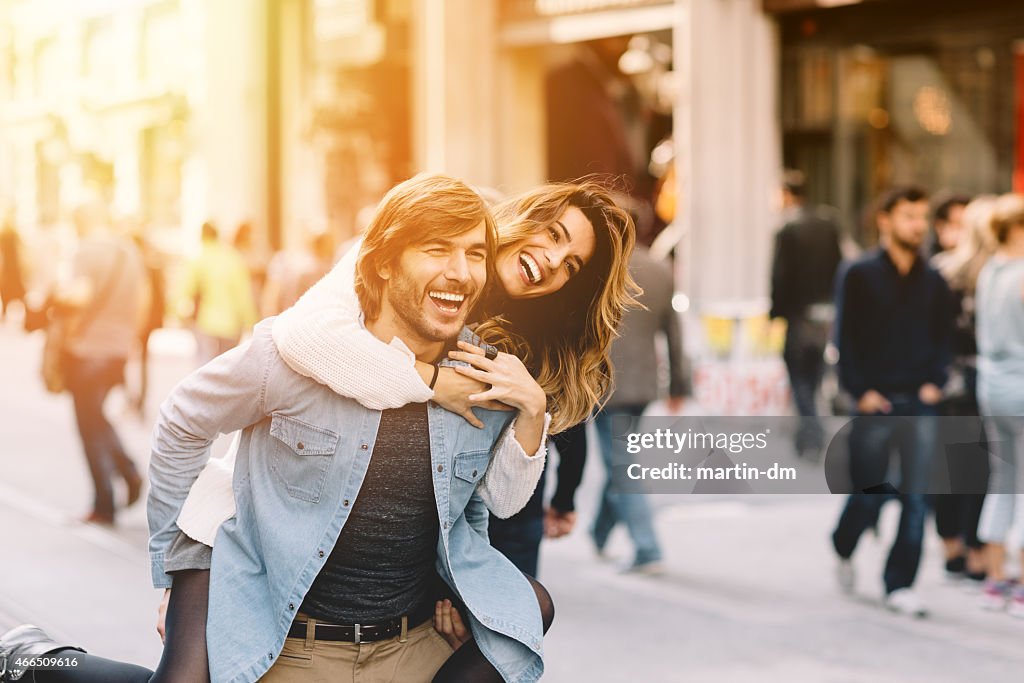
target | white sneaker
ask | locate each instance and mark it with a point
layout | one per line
(846, 576)
(906, 601)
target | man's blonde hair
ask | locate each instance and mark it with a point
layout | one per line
(425, 207)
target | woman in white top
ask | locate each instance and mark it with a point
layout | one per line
(1000, 324)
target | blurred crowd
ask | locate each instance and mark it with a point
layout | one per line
(928, 324)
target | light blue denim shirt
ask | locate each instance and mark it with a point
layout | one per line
(303, 454)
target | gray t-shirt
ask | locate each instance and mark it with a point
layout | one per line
(116, 275)
(382, 566)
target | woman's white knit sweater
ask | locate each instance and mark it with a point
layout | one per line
(322, 337)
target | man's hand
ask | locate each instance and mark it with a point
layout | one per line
(873, 402)
(929, 394)
(449, 624)
(558, 523)
(161, 615)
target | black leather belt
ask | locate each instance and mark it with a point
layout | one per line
(360, 633)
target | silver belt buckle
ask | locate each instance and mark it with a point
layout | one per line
(356, 641)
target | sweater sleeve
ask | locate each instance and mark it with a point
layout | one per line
(512, 476)
(323, 338)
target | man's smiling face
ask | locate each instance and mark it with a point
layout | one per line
(433, 285)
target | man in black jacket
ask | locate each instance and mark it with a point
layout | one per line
(806, 257)
(895, 326)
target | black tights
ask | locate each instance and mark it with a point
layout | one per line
(184, 657)
(468, 664)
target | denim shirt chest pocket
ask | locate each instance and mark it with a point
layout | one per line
(301, 456)
(469, 469)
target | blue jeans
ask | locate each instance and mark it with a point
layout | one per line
(804, 355)
(90, 380)
(871, 441)
(615, 507)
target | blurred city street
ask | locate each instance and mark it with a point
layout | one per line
(749, 593)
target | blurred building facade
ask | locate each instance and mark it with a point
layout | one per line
(154, 106)
(894, 91)
(297, 114)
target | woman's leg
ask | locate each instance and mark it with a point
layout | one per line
(468, 664)
(184, 658)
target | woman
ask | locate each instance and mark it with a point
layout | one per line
(560, 285)
(957, 515)
(1000, 305)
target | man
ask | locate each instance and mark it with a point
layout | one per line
(106, 304)
(344, 513)
(634, 358)
(217, 285)
(894, 331)
(807, 254)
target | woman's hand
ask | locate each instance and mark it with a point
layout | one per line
(510, 382)
(453, 392)
(449, 624)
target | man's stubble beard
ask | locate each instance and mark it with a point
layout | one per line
(904, 245)
(406, 301)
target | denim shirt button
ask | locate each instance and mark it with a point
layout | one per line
(320, 553)
(364, 447)
(446, 525)
(345, 502)
(300, 445)
(440, 468)
(291, 606)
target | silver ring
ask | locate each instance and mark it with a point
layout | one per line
(490, 353)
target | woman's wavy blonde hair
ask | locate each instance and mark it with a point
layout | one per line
(564, 337)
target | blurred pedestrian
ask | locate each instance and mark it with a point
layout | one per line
(947, 222)
(218, 288)
(255, 256)
(290, 273)
(156, 310)
(107, 294)
(957, 514)
(594, 127)
(635, 361)
(12, 279)
(1000, 300)
(807, 254)
(894, 329)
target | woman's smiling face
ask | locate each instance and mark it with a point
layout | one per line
(545, 260)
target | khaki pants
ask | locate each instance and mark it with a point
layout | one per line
(415, 660)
